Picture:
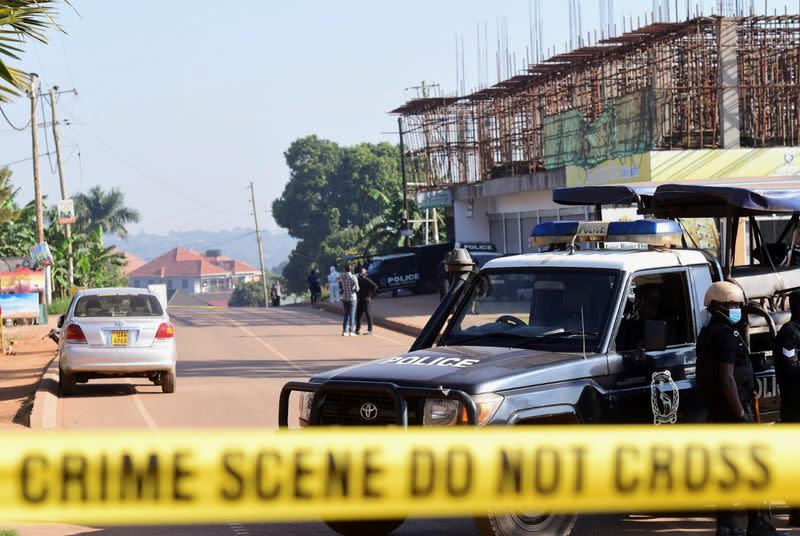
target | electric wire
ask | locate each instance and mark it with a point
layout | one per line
(46, 143)
(12, 125)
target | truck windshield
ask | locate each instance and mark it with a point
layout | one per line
(547, 308)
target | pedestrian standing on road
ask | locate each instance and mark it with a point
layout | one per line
(276, 293)
(366, 290)
(349, 289)
(726, 381)
(787, 371)
(333, 285)
(314, 286)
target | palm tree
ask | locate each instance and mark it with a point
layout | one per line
(106, 211)
(21, 20)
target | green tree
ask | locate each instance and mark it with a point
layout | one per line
(329, 201)
(97, 265)
(17, 225)
(103, 210)
(247, 295)
(8, 210)
(21, 20)
(305, 208)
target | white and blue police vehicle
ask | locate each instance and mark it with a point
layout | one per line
(599, 327)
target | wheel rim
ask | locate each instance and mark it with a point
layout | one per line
(532, 520)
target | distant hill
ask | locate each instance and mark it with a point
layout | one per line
(236, 243)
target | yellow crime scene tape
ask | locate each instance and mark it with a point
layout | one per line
(192, 476)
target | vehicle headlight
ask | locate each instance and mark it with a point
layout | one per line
(305, 400)
(440, 412)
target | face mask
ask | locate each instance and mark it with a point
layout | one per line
(734, 315)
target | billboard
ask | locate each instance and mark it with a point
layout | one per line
(21, 281)
(66, 212)
(41, 254)
(25, 305)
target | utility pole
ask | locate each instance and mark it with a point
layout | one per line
(258, 238)
(434, 212)
(405, 183)
(57, 138)
(37, 188)
(33, 93)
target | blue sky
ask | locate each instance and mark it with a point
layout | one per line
(182, 103)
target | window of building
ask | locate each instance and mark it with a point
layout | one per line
(184, 283)
(512, 233)
(496, 232)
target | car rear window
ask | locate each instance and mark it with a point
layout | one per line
(118, 305)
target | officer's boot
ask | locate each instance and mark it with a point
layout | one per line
(758, 526)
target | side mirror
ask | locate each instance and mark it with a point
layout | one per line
(655, 335)
(61, 321)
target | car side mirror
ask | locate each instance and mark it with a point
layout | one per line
(655, 335)
(61, 321)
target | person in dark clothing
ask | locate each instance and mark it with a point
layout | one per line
(314, 286)
(443, 278)
(787, 371)
(366, 290)
(726, 381)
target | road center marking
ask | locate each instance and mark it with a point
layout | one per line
(142, 410)
(269, 347)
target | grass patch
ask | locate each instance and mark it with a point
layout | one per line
(8, 532)
(57, 307)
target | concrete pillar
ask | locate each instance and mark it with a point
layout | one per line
(728, 96)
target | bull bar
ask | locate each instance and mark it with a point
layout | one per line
(397, 392)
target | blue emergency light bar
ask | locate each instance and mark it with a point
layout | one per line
(659, 233)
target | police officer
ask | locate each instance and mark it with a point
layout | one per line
(725, 378)
(787, 370)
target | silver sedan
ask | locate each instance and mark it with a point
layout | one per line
(116, 333)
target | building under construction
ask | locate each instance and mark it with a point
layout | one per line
(670, 101)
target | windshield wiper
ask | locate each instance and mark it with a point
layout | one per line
(566, 333)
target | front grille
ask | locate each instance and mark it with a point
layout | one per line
(343, 408)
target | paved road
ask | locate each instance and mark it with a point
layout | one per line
(232, 364)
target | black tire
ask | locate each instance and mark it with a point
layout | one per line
(365, 528)
(66, 382)
(168, 382)
(540, 524)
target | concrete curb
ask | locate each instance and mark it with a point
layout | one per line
(45, 401)
(378, 320)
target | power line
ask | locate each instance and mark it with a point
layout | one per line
(46, 143)
(20, 129)
(40, 155)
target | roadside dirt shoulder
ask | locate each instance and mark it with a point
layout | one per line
(20, 372)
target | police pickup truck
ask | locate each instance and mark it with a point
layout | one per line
(579, 333)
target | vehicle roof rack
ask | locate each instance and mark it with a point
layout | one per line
(617, 194)
(701, 201)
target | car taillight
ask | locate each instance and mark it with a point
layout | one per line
(75, 334)
(165, 331)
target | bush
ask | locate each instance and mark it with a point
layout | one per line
(58, 307)
(248, 295)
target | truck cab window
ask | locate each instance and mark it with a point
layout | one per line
(659, 297)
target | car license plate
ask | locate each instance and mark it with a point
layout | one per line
(119, 338)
